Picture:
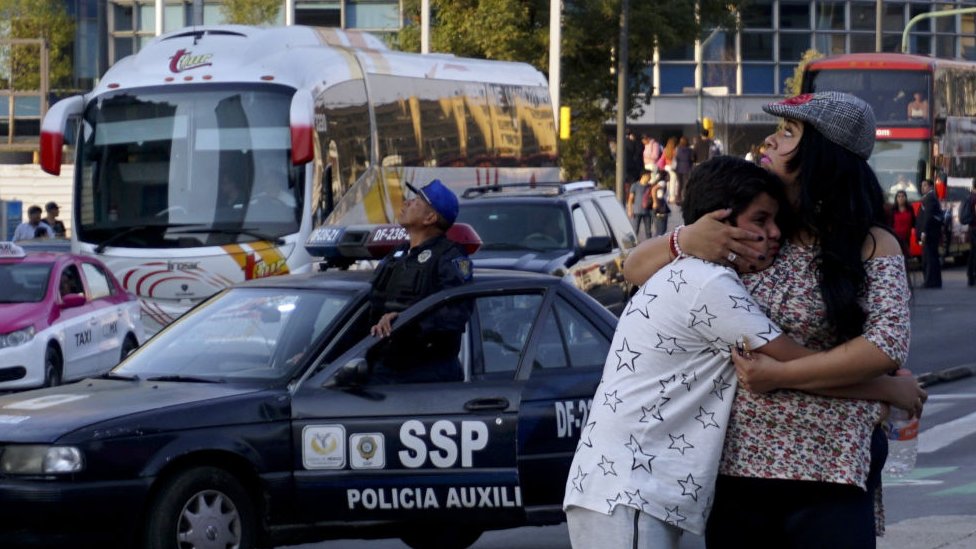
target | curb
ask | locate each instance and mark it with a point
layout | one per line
(946, 375)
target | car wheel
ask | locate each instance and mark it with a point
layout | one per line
(441, 537)
(128, 345)
(53, 367)
(201, 508)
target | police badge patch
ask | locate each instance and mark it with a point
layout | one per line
(424, 256)
(463, 266)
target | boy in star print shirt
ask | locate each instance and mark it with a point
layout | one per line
(646, 464)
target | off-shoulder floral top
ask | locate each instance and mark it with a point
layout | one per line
(799, 436)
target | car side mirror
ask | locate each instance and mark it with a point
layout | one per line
(69, 301)
(597, 245)
(352, 372)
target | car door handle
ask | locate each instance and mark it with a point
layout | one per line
(490, 403)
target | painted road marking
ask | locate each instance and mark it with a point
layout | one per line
(963, 490)
(940, 436)
(918, 477)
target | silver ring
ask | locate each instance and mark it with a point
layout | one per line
(731, 257)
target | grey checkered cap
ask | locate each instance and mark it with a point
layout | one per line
(842, 118)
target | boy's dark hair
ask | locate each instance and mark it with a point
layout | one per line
(730, 182)
(34, 210)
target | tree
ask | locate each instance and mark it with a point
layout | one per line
(794, 84)
(250, 12)
(518, 30)
(46, 19)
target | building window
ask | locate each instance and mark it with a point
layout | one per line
(792, 46)
(830, 44)
(757, 46)
(794, 14)
(719, 74)
(862, 17)
(758, 15)
(830, 16)
(684, 52)
(373, 14)
(893, 18)
(720, 48)
(862, 43)
(758, 79)
(676, 77)
(945, 46)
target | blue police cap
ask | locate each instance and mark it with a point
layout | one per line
(440, 198)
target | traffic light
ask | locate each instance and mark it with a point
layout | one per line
(708, 127)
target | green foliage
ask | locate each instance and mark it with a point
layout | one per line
(47, 19)
(250, 12)
(518, 30)
(794, 84)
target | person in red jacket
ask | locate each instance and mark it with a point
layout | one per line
(902, 220)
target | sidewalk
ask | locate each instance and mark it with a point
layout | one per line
(936, 532)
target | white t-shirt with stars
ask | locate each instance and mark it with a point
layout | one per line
(655, 431)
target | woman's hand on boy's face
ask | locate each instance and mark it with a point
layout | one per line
(710, 238)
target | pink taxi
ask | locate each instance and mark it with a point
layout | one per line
(62, 317)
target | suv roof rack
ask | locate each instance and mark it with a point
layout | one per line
(553, 187)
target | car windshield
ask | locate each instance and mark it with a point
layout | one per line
(23, 282)
(242, 334)
(507, 226)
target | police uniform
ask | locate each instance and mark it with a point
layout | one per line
(428, 350)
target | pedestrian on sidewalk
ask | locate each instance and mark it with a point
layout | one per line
(929, 228)
(802, 469)
(638, 202)
(51, 219)
(967, 216)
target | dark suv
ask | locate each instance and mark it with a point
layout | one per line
(571, 230)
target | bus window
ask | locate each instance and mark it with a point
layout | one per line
(897, 97)
(344, 141)
(896, 163)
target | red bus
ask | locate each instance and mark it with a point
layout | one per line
(926, 122)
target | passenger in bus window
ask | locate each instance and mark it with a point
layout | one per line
(919, 107)
(902, 184)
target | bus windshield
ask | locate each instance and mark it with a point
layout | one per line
(899, 165)
(179, 168)
(899, 98)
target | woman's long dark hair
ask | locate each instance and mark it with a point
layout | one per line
(840, 201)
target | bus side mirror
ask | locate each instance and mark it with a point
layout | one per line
(301, 121)
(52, 131)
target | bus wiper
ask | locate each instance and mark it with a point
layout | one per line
(126, 232)
(277, 240)
(189, 379)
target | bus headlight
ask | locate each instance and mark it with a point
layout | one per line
(16, 338)
(41, 460)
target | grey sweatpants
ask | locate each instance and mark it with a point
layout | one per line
(625, 528)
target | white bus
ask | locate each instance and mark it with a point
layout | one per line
(208, 157)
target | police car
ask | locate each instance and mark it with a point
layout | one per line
(62, 317)
(255, 420)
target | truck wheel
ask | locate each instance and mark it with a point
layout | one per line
(435, 536)
(201, 508)
(53, 367)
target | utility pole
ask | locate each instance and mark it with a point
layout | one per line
(878, 16)
(622, 99)
(555, 49)
(929, 15)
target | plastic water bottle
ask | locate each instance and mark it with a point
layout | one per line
(902, 443)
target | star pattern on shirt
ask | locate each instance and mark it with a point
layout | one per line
(719, 385)
(674, 515)
(665, 382)
(677, 278)
(611, 401)
(742, 302)
(578, 479)
(668, 344)
(626, 357)
(770, 334)
(687, 380)
(606, 466)
(635, 499)
(642, 460)
(586, 434)
(718, 346)
(612, 502)
(641, 303)
(706, 418)
(689, 487)
(679, 443)
(653, 411)
(701, 316)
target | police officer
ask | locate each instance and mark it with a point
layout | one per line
(429, 263)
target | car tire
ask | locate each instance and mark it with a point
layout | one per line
(437, 536)
(201, 507)
(53, 367)
(129, 344)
